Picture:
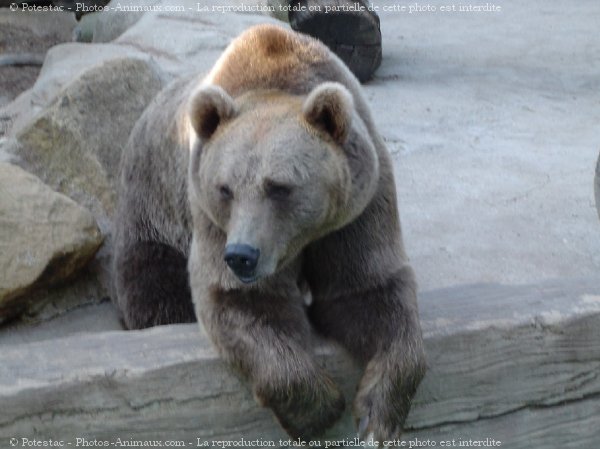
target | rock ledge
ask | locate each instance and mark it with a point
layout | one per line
(520, 367)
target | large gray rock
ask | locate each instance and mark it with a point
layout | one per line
(63, 65)
(75, 144)
(44, 238)
(517, 364)
(68, 62)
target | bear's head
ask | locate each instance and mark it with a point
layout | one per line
(276, 171)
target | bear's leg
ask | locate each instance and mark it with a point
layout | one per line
(267, 338)
(380, 327)
(152, 285)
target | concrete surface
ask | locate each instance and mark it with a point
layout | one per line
(494, 122)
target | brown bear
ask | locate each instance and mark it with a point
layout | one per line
(264, 180)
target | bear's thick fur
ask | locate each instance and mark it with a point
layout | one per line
(268, 179)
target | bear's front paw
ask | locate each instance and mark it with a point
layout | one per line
(383, 399)
(305, 410)
(378, 418)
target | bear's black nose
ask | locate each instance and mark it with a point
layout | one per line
(242, 259)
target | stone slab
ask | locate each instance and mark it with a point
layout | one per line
(509, 377)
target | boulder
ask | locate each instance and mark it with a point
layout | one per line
(75, 144)
(63, 65)
(45, 238)
(68, 62)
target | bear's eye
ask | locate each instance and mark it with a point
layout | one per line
(277, 190)
(225, 192)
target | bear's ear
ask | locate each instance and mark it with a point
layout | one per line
(208, 108)
(329, 107)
